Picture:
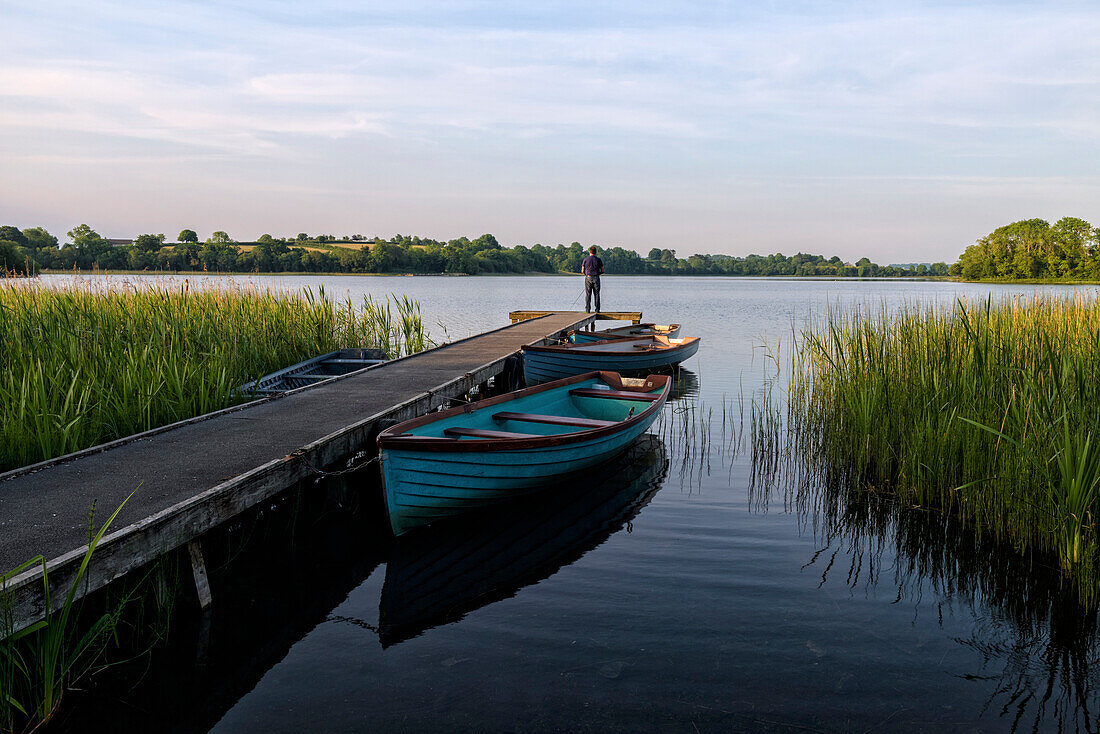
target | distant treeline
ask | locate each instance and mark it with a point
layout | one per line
(87, 249)
(1032, 249)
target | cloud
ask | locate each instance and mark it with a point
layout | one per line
(556, 97)
(889, 75)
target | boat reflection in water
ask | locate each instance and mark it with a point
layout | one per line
(438, 575)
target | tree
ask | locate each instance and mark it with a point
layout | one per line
(187, 235)
(266, 239)
(141, 259)
(266, 255)
(149, 242)
(185, 255)
(219, 238)
(699, 263)
(486, 242)
(39, 239)
(1032, 248)
(302, 237)
(13, 235)
(113, 258)
(218, 256)
(654, 254)
(12, 260)
(89, 245)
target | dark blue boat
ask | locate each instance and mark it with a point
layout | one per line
(639, 356)
(634, 330)
(313, 371)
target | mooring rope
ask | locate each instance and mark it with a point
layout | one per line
(300, 455)
(352, 620)
(353, 467)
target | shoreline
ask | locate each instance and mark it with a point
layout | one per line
(815, 278)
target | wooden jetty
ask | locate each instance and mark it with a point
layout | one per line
(190, 477)
(634, 317)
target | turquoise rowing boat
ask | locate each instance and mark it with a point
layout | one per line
(457, 460)
(634, 330)
(639, 356)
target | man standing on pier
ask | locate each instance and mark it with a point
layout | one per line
(591, 268)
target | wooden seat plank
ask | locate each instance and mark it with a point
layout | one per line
(481, 433)
(349, 360)
(553, 420)
(587, 392)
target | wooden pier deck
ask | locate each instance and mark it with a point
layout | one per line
(190, 477)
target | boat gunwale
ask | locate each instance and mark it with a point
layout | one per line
(271, 382)
(687, 341)
(610, 333)
(394, 438)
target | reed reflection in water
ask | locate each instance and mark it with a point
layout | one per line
(699, 434)
(1037, 644)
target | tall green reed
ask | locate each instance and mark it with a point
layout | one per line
(85, 365)
(397, 328)
(38, 661)
(988, 412)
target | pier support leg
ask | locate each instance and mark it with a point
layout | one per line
(198, 569)
(202, 639)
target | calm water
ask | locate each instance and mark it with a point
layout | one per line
(665, 595)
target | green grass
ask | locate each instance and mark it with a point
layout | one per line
(988, 412)
(86, 365)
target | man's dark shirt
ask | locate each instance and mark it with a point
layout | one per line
(592, 266)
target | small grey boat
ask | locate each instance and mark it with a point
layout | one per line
(313, 371)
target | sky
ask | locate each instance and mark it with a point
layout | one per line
(897, 131)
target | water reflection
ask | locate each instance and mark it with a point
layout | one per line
(700, 435)
(685, 384)
(1037, 644)
(437, 576)
(275, 575)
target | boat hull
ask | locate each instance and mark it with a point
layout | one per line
(423, 488)
(549, 363)
(439, 477)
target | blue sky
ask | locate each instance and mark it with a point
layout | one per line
(900, 131)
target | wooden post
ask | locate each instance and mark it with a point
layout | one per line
(198, 570)
(202, 638)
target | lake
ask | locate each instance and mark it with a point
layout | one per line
(666, 594)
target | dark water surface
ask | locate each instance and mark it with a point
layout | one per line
(665, 595)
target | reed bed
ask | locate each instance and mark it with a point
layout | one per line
(85, 365)
(988, 412)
